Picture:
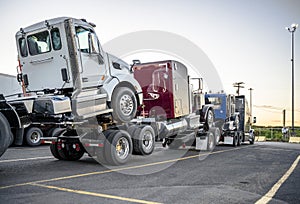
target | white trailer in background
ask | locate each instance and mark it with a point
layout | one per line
(9, 84)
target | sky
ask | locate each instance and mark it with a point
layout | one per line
(246, 41)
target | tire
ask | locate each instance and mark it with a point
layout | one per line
(71, 151)
(55, 145)
(34, 136)
(100, 152)
(217, 135)
(252, 140)
(143, 140)
(131, 130)
(239, 139)
(209, 120)
(124, 104)
(118, 147)
(211, 141)
(5, 134)
(235, 140)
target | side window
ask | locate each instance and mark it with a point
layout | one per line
(86, 39)
(94, 44)
(83, 37)
(55, 37)
(23, 47)
(39, 43)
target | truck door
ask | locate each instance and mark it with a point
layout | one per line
(92, 64)
(41, 55)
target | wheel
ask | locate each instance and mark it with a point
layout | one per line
(210, 141)
(239, 139)
(5, 134)
(143, 140)
(34, 136)
(70, 151)
(55, 145)
(235, 139)
(132, 129)
(124, 104)
(252, 140)
(100, 151)
(217, 134)
(118, 147)
(209, 121)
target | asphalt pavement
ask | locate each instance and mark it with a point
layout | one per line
(263, 172)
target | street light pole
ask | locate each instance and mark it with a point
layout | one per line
(250, 106)
(292, 30)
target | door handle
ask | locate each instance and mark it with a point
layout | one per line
(41, 61)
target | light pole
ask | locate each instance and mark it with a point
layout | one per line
(238, 85)
(250, 106)
(292, 30)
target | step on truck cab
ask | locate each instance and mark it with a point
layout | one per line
(68, 79)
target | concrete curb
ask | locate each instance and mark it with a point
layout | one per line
(294, 140)
(260, 138)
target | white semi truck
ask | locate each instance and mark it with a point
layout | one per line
(66, 77)
(91, 101)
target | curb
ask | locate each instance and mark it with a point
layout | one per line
(294, 140)
(260, 139)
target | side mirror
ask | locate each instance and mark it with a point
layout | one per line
(64, 75)
(116, 65)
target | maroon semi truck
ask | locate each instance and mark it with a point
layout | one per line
(175, 105)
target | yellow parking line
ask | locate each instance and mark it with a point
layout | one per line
(120, 169)
(268, 196)
(95, 194)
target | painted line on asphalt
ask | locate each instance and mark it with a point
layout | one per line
(123, 168)
(269, 195)
(25, 159)
(95, 194)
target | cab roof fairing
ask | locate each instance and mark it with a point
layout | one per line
(43, 24)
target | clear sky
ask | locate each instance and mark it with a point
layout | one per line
(245, 40)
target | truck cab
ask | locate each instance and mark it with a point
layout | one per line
(64, 55)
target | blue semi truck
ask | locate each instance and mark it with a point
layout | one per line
(232, 116)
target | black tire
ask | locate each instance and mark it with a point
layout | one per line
(71, 151)
(118, 147)
(131, 130)
(33, 136)
(143, 140)
(211, 141)
(239, 139)
(55, 144)
(5, 134)
(252, 140)
(124, 104)
(209, 120)
(100, 151)
(235, 140)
